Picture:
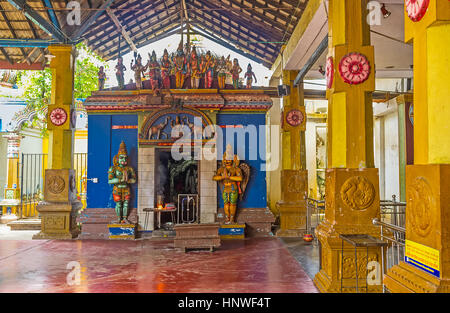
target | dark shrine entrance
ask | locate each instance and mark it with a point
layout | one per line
(176, 184)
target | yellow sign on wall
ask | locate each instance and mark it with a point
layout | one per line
(423, 257)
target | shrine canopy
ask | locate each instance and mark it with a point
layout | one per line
(254, 28)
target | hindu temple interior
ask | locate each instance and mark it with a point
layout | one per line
(224, 146)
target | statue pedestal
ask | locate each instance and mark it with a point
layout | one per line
(95, 221)
(122, 231)
(292, 206)
(58, 220)
(427, 232)
(352, 202)
(232, 231)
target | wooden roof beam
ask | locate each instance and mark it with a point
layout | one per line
(91, 20)
(36, 18)
(166, 31)
(222, 42)
(226, 38)
(233, 14)
(104, 21)
(218, 16)
(11, 29)
(307, 16)
(116, 35)
(122, 30)
(5, 54)
(264, 18)
(237, 31)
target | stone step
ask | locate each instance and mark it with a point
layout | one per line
(25, 224)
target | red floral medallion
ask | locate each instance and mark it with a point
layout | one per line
(354, 68)
(330, 72)
(294, 118)
(416, 9)
(58, 116)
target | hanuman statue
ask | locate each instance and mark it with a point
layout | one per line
(121, 175)
(230, 175)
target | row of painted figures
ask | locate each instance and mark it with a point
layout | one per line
(184, 64)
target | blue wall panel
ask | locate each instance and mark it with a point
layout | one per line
(251, 152)
(103, 145)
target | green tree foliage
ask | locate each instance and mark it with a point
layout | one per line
(37, 85)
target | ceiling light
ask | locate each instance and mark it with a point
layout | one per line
(385, 11)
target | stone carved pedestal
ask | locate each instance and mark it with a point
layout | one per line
(292, 206)
(428, 224)
(352, 202)
(60, 208)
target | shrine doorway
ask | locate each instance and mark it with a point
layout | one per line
(177, 184)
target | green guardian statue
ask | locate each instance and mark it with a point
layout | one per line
(121, 176)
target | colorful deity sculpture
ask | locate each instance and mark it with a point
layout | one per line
(221, 72)
(229, 66)
(180, 67)
(249, 75)
(235, 71)
(101, 78)
(121, 176)
(208, 69)
(166, 67)
(120, 69)
(139, 70)
(154, 72)
(233, 182)
(194, 69)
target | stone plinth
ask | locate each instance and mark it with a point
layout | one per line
(94, 222)
(293, 203)
(58, 220)
(197, 236)
(427, 224)
(258, 221)
(122, 231)
(352, 202)
(232, 231)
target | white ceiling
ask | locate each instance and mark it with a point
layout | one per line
(393, 58)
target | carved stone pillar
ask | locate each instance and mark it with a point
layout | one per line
(60, 208)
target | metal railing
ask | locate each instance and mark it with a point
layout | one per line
(393, 212)
(395, 237)
(32, 170)
(315, 214)
(32, 177)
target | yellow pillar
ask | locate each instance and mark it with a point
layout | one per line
(294, 177)
(426, 267)
(60, 209)
(351, 182)
(12, 190)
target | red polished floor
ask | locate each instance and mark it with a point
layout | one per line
(251, 265)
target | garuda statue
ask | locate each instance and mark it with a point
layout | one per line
(233, 178)
(121, 176)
